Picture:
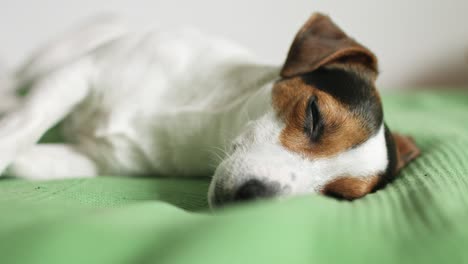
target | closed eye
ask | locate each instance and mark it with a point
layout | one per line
(313, 126)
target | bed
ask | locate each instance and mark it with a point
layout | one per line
(422, 217)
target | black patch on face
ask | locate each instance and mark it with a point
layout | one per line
(349, 88)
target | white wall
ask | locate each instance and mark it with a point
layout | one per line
(419, 42)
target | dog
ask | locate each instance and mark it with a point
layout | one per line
(187, 104)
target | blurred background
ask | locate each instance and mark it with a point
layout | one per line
(420, 43)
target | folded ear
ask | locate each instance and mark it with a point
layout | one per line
(320, 42)
(406, 150)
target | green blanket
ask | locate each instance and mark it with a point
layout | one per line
(421, 218)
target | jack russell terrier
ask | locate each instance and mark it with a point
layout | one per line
(166, 103)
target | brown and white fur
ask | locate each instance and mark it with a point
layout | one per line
(166, 102)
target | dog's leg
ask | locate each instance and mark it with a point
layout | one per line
(51, 98)
(52, 161)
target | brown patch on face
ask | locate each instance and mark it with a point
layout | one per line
(342, 129)
(350, 188)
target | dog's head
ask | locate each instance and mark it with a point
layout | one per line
(325, 131)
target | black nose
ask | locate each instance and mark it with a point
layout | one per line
(253, 189)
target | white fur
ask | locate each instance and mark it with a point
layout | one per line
(161, 102)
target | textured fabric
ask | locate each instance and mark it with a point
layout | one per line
(420, 218)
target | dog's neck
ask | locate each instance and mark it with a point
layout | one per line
(253, 100)
(205, 129)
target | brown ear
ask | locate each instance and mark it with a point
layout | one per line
(406, 150)
(320, 42)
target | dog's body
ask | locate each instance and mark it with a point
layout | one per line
(173, 103)
(156, 102)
